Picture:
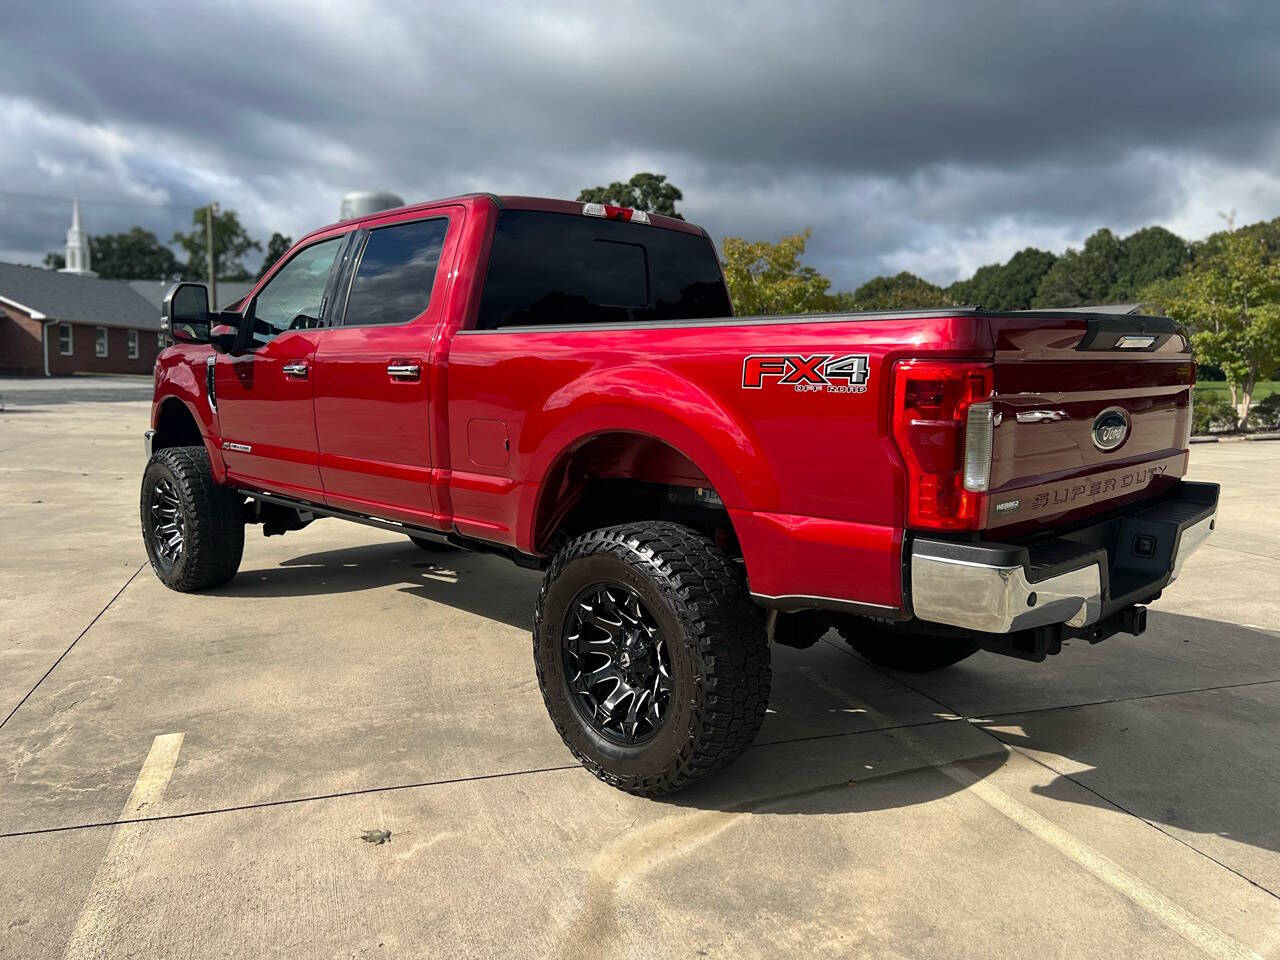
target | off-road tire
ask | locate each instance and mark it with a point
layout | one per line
(433, 546)
(213, 517)
(903, 650)
(714, 637)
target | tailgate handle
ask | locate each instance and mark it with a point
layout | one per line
(404, 371)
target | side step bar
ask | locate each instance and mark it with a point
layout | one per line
(408, 529)
(392, 525)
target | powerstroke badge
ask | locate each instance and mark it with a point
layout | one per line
(822, 373)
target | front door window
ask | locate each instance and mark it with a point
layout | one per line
(294, 298)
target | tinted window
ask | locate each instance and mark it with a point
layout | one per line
(562, 268)
(398, 266)
(292, 299)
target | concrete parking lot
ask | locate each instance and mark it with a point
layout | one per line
(191, 776)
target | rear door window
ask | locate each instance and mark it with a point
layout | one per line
(556, 268)
(392, 281)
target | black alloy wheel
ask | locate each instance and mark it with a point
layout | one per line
(167, 525)
(616, 663)
(651, 656)
(193, 527)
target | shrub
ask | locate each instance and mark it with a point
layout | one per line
(1265, 414)
(1212, 412)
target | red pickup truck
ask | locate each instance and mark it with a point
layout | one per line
(566, 384)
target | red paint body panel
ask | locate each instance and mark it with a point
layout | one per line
(802, 557)
(273, 415)
(812, 479)
(374, 430)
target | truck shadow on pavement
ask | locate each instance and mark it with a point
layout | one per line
(1177, 727)
(487, 586)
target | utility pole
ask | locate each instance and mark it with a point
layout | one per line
(209, 211)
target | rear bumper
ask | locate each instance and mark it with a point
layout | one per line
(1077, 579)
(148, 437)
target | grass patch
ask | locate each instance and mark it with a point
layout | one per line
(1261, 390)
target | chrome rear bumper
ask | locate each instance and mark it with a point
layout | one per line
(1075, 580)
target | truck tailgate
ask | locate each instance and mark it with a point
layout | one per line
(1090, 411)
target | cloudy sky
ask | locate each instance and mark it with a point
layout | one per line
(921, 135)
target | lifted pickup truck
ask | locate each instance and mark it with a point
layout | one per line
(565, 384)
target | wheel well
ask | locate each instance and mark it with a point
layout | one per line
(176, 427)
(623, 477)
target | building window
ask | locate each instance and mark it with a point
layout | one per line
(100, 344)
(64, 339)
(133, 344)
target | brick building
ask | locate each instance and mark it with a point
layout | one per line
(72, 321)
(57, 323)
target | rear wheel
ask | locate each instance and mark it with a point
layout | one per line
(902, 650)
(193, 528)
(651, 657)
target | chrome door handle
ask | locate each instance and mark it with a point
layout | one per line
(297, 371)
(404, 371)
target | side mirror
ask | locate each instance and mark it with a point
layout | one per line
(186, 313)
(222, 336)
(187, 318)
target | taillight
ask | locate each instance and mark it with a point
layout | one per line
(944, 423)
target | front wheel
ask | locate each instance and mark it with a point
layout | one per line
(193, 528)
(651, 657)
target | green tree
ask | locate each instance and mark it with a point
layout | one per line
(133, 255)
(1231, 302)
(1082, 277)
(54, 261)
(903, 291)
(1112, 270)
(768, 278)
(277, 247)
(1007, 286)
(1147, 256)
(644, 191)
(230, 244)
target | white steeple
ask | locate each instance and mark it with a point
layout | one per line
(77, 246)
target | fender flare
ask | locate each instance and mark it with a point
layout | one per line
(683, 415)
(178, 384)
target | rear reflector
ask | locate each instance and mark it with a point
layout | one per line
(610, 212)
(943, 424)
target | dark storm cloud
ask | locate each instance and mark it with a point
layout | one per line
(902, 132)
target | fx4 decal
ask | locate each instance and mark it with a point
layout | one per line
(823, 372)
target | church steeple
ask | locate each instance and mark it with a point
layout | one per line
(77, 245)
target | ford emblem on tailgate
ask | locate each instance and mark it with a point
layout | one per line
(1110, 428)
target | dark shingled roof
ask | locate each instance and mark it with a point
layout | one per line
(65, 296)
(229, 291)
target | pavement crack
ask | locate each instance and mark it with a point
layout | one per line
(266, 804)
(79, 636)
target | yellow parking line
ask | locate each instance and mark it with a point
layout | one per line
(93, 931)
(1207, 937)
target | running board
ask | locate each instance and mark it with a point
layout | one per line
(408, 529)
(392, 525)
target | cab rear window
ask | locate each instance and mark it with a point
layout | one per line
(555, 268)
